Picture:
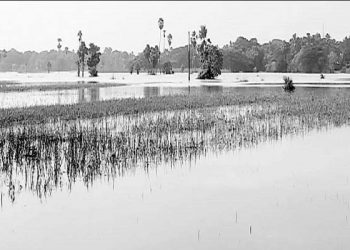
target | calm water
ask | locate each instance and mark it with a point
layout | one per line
(144, 86)
(203, 190)
(289, 194)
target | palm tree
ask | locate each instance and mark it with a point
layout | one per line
(170, 38)
(59, 46)
(203, 32)
(83, 51)
(194, 38)
(164, 31)
(160, 25)
(66, 50)
(80, 34)
(3, 53)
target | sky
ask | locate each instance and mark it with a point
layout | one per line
(129, 26)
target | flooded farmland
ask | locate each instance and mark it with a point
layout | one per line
(245, 176)
(143, 86)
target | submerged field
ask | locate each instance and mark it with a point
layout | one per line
(245, 168)
(62, 88)
(44, 145)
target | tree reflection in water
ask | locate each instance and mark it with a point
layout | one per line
(88, 95)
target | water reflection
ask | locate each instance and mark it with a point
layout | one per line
(62, 97)
(43, 158)
(151, 91)
(88, 95)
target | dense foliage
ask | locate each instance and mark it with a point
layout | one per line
(167, 68)
(211, 57)
(310, 53)
(151, 56)
(93, 59)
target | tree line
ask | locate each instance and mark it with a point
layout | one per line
(309, 54)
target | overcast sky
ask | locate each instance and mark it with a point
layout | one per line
(129, 26)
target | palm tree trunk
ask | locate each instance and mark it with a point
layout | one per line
(78, 69)
(82, 66)
(160, 39)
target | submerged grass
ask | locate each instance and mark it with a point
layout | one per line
(149, 132)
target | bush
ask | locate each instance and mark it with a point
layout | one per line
(167, 68)
(212, 60)
(288, 84)
(93, 71)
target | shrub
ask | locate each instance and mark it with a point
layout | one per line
(288, 84)
(167, 68)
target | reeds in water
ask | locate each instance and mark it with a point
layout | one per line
(43, 158)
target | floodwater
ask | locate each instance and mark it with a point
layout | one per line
(144, 85)
(288, 194)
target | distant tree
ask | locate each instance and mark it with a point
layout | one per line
(236, 60)
(59, 46)
(334, 61)
(137, 66)
(48, 67)
(147, 53)
(82, 52)
(182, 68)
(194, 38)
(203, 32)
(154, 58)
(93, 59)
(80, 34)
(170, 38)
(160, 25)
(312, 59)
(167, 68)
(66, 50)
(276, 56)
(211, 57)
(152, 55)
(164, 31)
(3, 54)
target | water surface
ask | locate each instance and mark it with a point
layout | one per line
(289, 194)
